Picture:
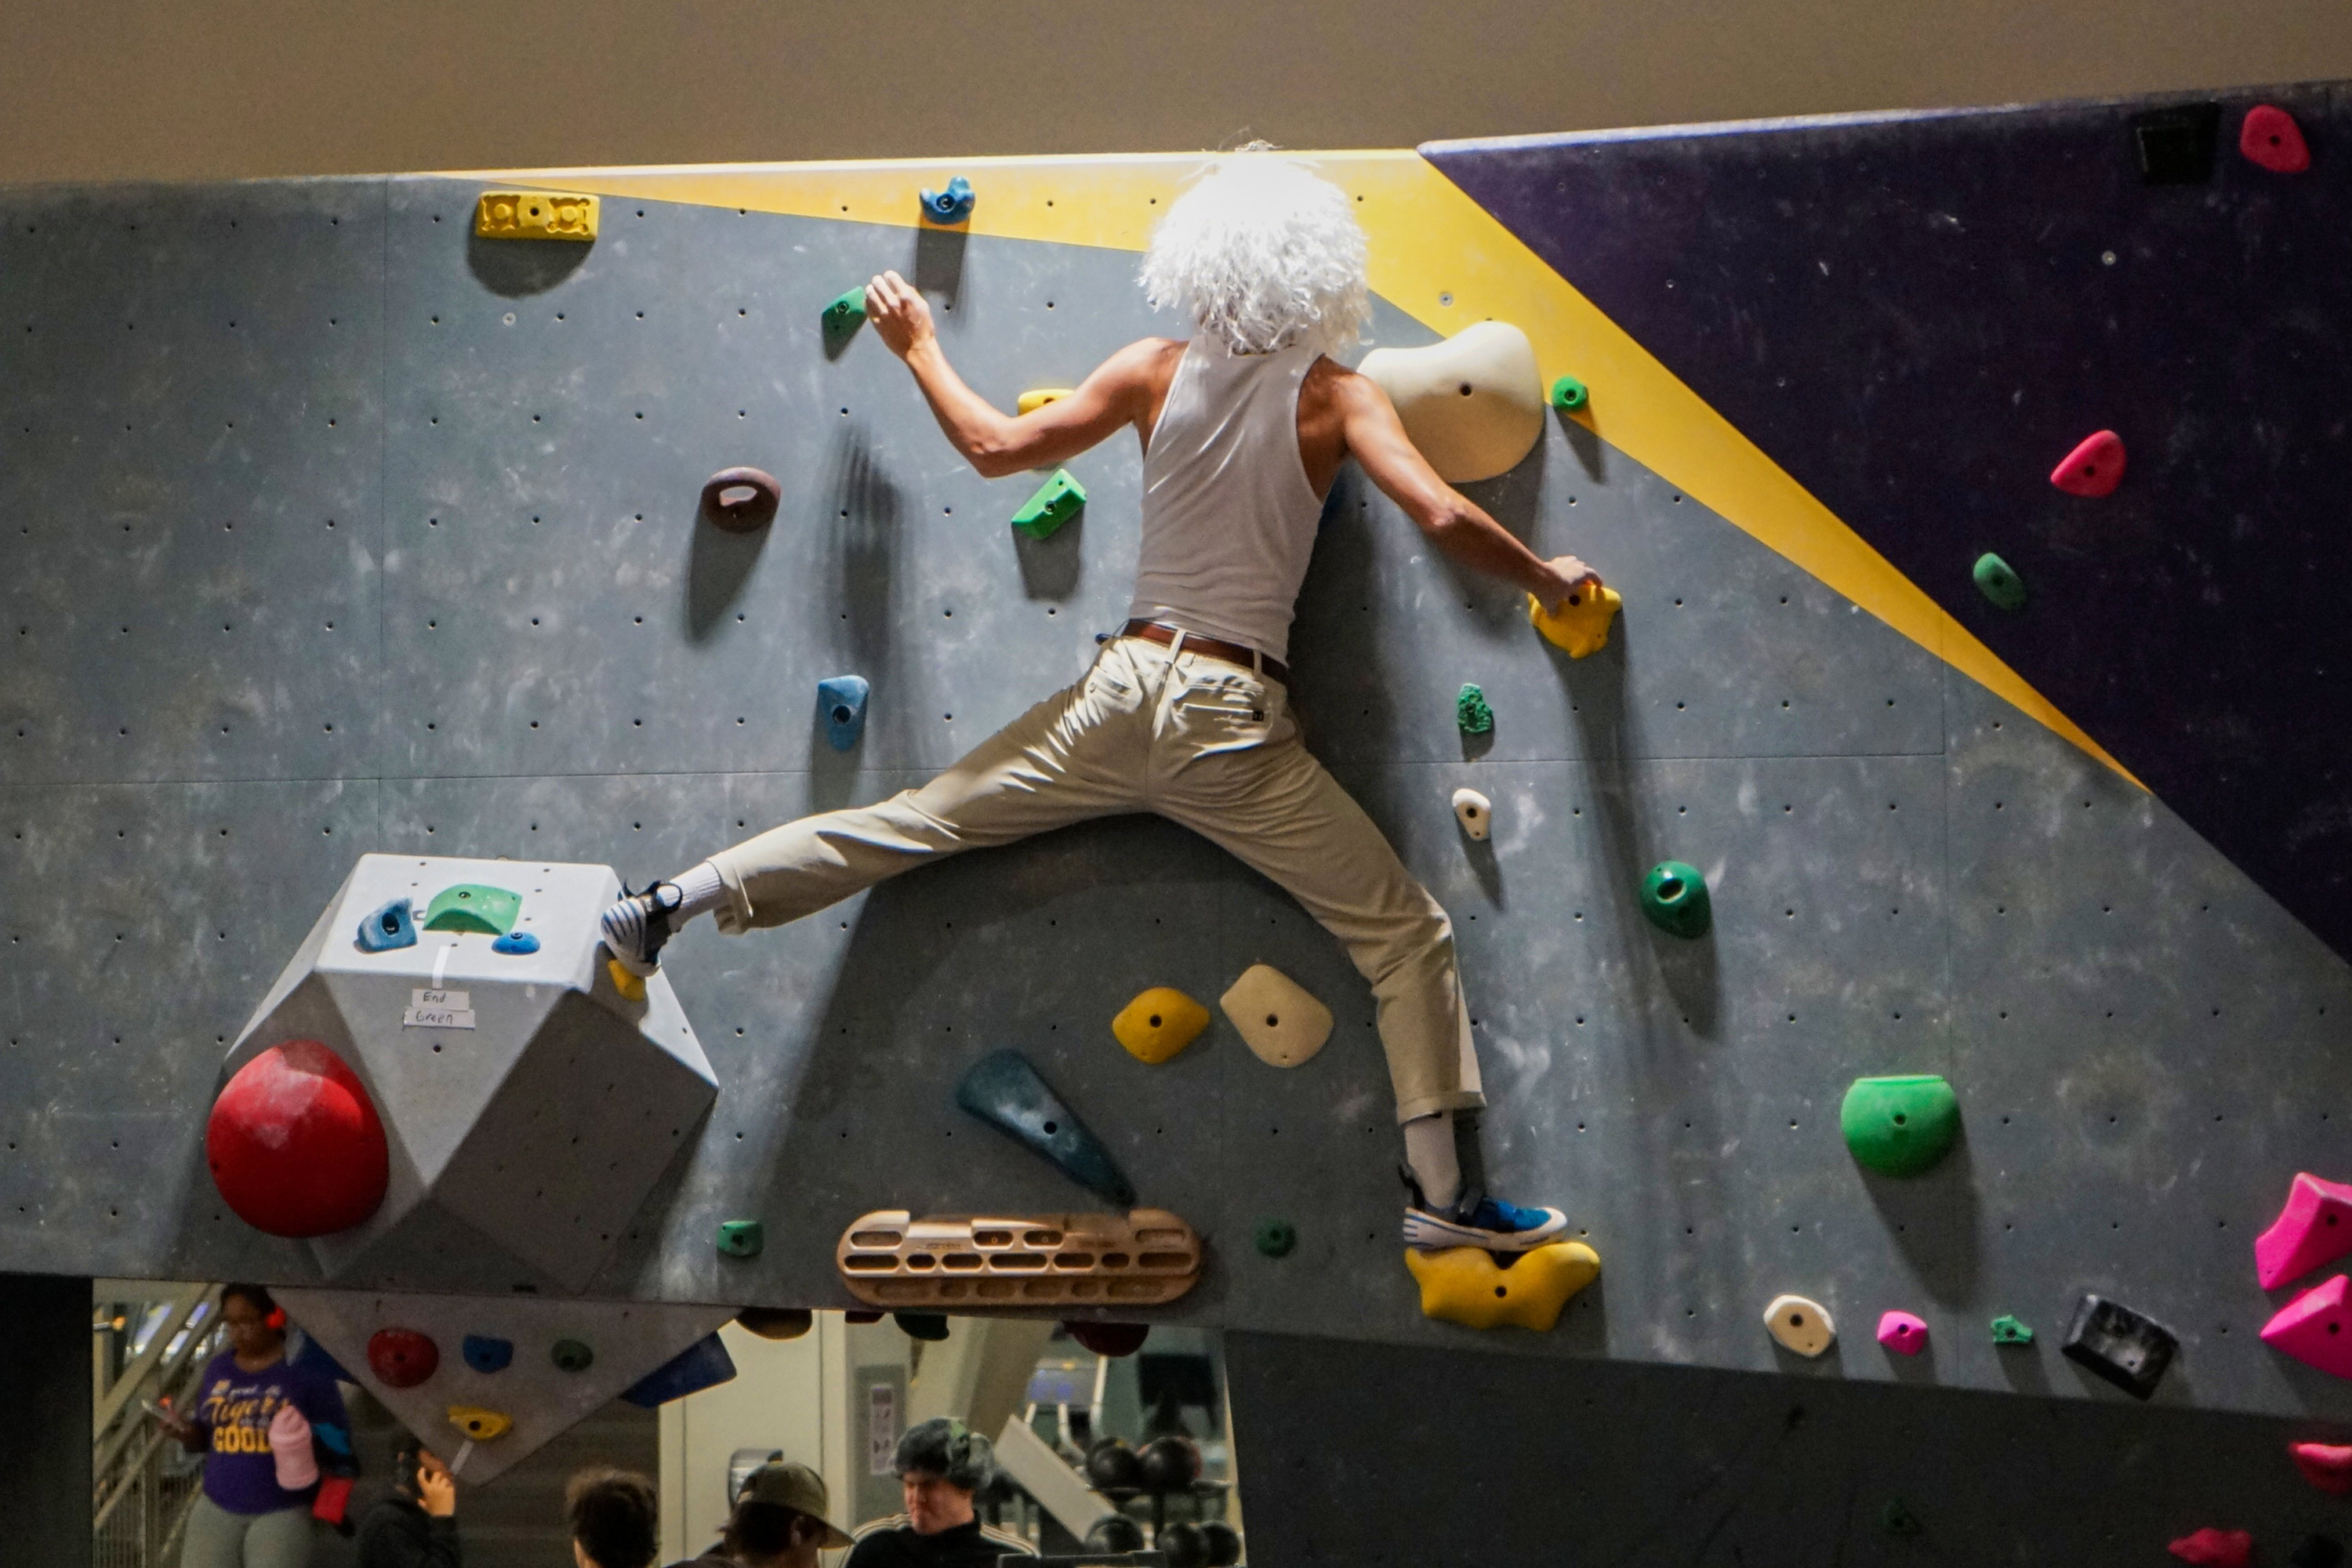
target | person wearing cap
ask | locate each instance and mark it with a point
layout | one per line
(778, 1522)
(940, 1464)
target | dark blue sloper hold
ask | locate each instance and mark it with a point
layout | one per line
(394, 925)
(487, 1352)
(1004, 1091)
(703, 1364)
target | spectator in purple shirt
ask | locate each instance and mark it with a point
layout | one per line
(244, 1518)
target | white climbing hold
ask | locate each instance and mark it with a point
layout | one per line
(1472, 403)
(1278, 1019)
(1475, 812)
(1801, 1325)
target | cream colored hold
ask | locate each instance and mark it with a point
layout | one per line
(1472, 403)
(1800, 1325)
(1278, 1019)
(1475, 812)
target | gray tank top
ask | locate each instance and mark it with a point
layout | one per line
(1229, 519)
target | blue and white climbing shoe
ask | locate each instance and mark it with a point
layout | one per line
(1476, 1220)
(635, 928)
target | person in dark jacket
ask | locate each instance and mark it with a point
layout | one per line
(778, 1522)
(940, 1464)
(416, 1526)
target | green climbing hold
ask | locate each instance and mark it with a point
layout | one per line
(2008, 1331)
(1673, 895)
(1470, 711)
(741, 1237)
(844, 314)
(571, 1356)
(1569, 394)
(1996, 581)
(1900, 1126)
(1897, 1518)
(1055, 503)
(1276, 1238)
(470, 906)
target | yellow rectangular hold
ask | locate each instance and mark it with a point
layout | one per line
(535, 214)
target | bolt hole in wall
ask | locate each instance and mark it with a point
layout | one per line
(1105, 1438)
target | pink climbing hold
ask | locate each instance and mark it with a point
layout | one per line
(2313, 1329)
(2215, 1548)
(2270, 137)
(1901, 1333)
(2314, 1227)
(2093, 469)
(2327, 1466)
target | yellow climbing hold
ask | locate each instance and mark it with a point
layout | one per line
(1583, 625)
(1159, 1022)
(478, 1424)
(1032, 401)
(632, 986)
(1464, 1284)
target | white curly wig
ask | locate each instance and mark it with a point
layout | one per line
(1262, 253)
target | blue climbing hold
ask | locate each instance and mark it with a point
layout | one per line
(1004, 1091)
(951, 206)
(394, 925)
(488, 1353)
(841, 701)
(516, 942)
(703, 1364)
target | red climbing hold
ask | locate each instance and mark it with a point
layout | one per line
(2327, 1466)
(2314, 1227)
(402, 1358)
(2312, 1328)
(1112, 1339)
(294, 1142)
(2093, 469)
(2270, 137)
(2215, 1548)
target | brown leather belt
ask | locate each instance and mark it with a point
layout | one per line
(1231, 652)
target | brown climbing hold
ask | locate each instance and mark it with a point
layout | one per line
(1277, 1018)
(1142, 1258)
(2271, 138)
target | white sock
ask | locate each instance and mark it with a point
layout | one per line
(1429, 1150)
(699, 890)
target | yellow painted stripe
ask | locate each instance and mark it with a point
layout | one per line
(1438, 257)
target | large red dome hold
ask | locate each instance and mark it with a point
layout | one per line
(295, 1144)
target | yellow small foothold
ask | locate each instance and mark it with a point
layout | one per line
(632, 986)
(525, 214)
(478, 1424)
(1583, 625)
(1032, 401)
(1464, 1284)
(1159, 1022)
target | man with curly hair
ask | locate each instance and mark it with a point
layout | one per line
(1185, 713)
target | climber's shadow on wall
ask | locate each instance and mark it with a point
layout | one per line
(515, 268)
(862, 546)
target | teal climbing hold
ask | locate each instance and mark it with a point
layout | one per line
(1470, 711)
(2009, 1331)
(1900, 1126)
(571, 1356)
(741, 1237)
(474, 906)
(1997, 583)
(1673, 897)
(1003, 1090)
(847, 312)
(1569, 394)
(1276, 1238)
(951, 206)
(1056, 502)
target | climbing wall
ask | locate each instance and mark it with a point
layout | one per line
(334, 529)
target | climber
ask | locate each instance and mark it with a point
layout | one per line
(1185, 713)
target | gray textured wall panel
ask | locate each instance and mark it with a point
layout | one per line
(1876, 911)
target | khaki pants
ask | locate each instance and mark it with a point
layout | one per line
(1202, 743)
